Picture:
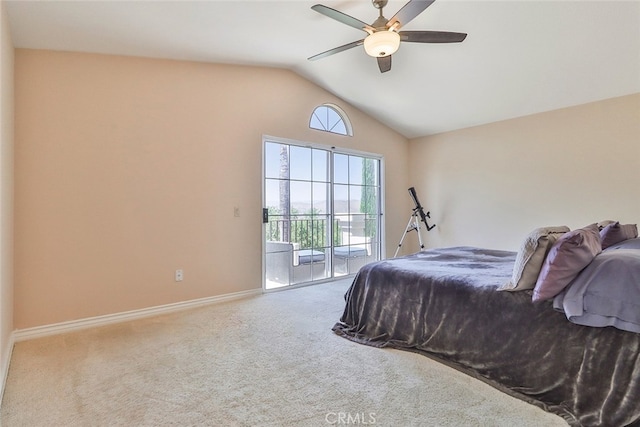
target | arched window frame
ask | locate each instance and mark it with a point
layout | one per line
(320, 120)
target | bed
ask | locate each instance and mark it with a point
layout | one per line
(451, 304)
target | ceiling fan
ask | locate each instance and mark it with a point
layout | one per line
(384, 37)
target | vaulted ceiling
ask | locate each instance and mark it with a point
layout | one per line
(519, 58)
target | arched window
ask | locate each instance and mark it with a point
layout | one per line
(330, 118)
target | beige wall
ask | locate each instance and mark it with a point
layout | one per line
(490, 185)
(129, 168)
(6, 193)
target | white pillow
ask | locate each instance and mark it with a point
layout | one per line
(531, 256)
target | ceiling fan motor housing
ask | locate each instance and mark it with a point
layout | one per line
(379, 4)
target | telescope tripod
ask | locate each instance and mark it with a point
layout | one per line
(413, 224)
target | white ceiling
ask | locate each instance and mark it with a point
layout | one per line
(519, 58)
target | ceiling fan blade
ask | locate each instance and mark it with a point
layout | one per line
(342, 17)
(431, 37)
(408, 12)
(336, 50)
(384, 63)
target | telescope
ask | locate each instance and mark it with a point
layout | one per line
(419, 210)
(414, 223)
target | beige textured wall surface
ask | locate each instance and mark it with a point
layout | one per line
(490, 185)
(129, 168)
(6, 192)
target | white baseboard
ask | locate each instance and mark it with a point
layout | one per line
(4, 365)
(75, 325)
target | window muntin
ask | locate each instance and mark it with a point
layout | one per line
(330, 118)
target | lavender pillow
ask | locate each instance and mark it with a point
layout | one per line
(603, 224)
(616, 233)
(567, 257)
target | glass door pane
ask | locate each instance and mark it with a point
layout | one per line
(296, 234)
(356, 213)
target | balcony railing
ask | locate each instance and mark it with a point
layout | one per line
(308, 233)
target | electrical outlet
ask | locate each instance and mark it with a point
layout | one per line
(179, 275)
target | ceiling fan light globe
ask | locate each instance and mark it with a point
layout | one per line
(382, 43)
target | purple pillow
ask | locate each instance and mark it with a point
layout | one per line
(567, 257)
(616, 233)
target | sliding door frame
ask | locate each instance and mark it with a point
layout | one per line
(332, 151)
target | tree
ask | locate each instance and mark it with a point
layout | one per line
(368, 202)
(285, 196)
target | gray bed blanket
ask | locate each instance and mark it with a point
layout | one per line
(444, 303)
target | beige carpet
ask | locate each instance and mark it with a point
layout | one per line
(270, 360)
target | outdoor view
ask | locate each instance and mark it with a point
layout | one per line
(323, 213)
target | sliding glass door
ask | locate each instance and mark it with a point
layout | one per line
(321, 213)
